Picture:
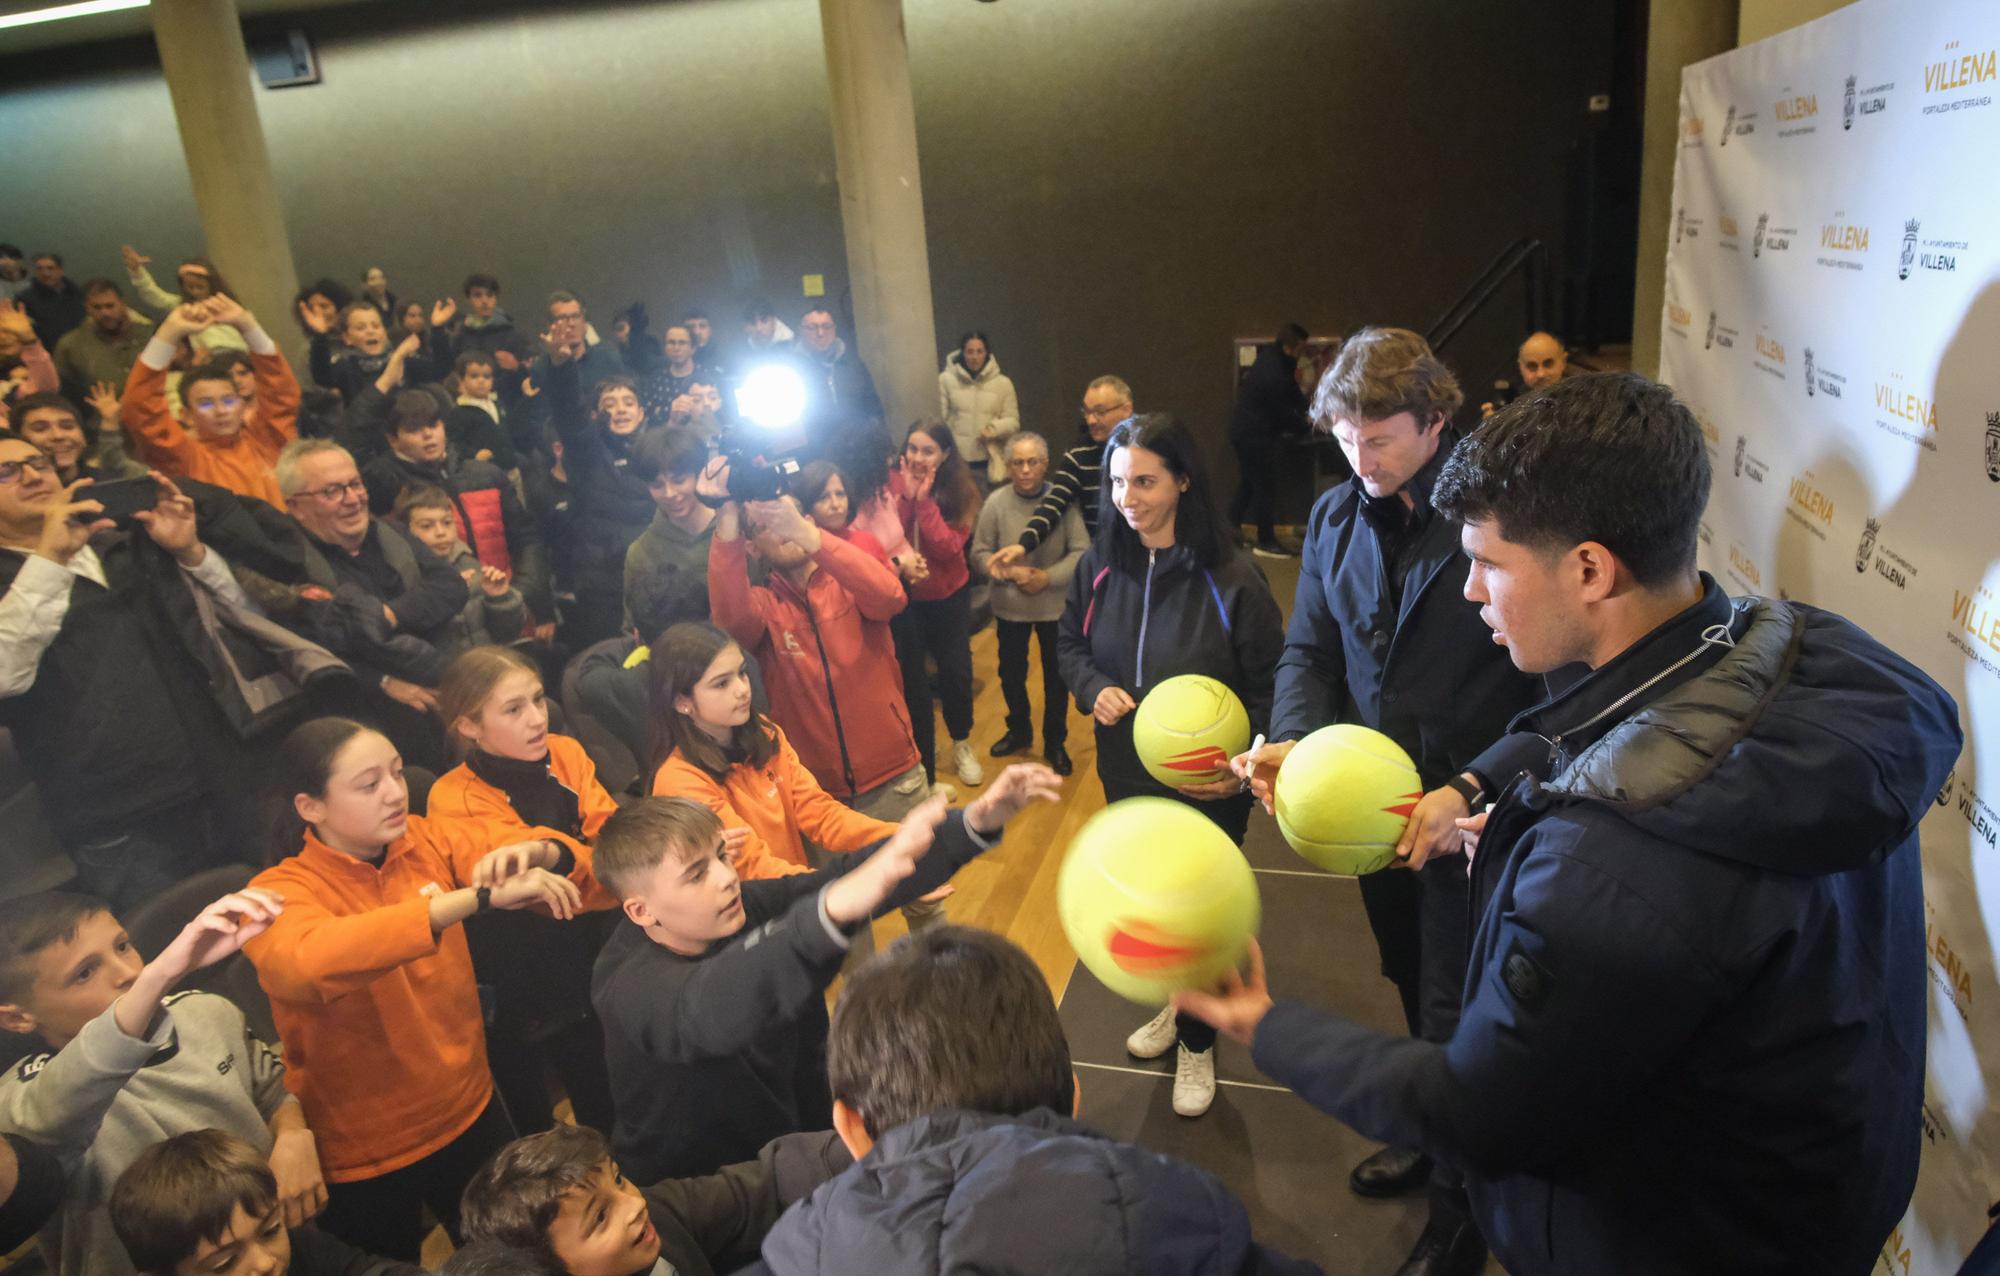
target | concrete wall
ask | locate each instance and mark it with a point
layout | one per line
(1111, 186)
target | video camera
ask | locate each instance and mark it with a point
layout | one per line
(763, 446)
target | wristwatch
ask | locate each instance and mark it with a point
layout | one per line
(1467, 789)
(484, 895)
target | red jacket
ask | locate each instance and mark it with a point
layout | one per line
(941, 544)
(852, 598)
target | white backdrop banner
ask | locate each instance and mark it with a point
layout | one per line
(1833, 317)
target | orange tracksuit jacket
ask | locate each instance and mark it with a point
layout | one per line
(243, 463)
(380, 1018)
(464, 799)
(779, 802)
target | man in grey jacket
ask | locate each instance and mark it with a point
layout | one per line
(1027, 596)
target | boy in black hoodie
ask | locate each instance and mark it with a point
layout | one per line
(713, 997)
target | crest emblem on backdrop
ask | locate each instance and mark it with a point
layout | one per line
(1728, 125)
(1847, 105)
(1993, 446)
(1757, 238)
(1869, 532)
(1709, 341)
(1742, 441)
(1909, 249)
(1808, 373)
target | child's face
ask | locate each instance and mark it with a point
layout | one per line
(720, 700)
(514, 720)
(366, 804)
(249, 1246)
(601, 1228)
(76, 980)
(620, 410)
(699, 330)
(425, 443)
(483, 301)
(365, 331)
(435, 529)
(688, 904)
(476, 382)
(674, 494)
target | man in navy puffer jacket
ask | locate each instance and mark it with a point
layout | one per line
(1693, 1024)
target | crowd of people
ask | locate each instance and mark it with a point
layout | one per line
(318, 629)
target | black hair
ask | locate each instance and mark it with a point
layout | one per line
(491, 1258)
(477, 280)
(331, 289)
(1292, 334)
(207, 370)
(949, 1017)
(54, 257)
(515, 1197)
(673, 452)
(1610, 457)
(320, 415)
(980, 337)
(412, 410)
(1197, 525)
(759, 309)
(304, 764)
(98, 283)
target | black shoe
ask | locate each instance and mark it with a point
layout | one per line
(1394, 1171)
(1059, 760)
(1446, 1249)
(1010, 744)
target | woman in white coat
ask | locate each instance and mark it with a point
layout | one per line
(977, 401)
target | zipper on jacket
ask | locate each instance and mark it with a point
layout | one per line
(1145, 613)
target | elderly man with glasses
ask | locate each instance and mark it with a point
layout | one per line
(391, 600)
(214, 439)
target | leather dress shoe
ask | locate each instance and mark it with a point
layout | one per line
(1010, 744)
(1394, 1171)
(1446, 1249)
(1058, 759)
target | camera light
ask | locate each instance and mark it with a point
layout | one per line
(772, 396)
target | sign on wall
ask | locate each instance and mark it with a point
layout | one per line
(1833, 317)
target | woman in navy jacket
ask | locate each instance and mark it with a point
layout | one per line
(1164, 592)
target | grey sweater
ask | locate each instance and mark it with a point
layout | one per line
(1001, 521)
(106, 1097)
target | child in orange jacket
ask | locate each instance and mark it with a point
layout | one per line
(720, 753)
(218, 438)
(371, 984)
(520, 782)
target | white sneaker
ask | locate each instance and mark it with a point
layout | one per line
(945, 791)
(1155, 1039)
(967, 766)
(1194, 1081)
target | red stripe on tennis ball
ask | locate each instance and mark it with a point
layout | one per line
(1198, 760)
(1144, 954)
(1406, 808)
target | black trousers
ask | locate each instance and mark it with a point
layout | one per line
(1014, 635)
(1232, 816)
(1256, 479)
(1420, 922)
(942, 630)
(385, 1215)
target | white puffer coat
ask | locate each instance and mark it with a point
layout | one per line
(982, 413)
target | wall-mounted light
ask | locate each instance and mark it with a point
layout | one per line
(57, 12)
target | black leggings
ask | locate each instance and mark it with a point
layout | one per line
(1232, 816)
(385, 1215)
(941, 629)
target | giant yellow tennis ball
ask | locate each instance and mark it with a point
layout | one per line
(1187, 728)
(1343, 797)
(1155, 898)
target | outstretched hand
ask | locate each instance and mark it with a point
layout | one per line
(316, 323)
(856, 895)
(1238, 1006)
(442, 311)
(1010, 794)
(218, 931)
(135, 261)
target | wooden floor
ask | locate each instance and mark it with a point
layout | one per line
(1012, 888)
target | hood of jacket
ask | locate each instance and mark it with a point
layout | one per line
(987, 371)
(1809, 748)
(963, 1191)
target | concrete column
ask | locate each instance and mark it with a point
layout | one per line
(1679, 32)
(209, 79)
(882, 202)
